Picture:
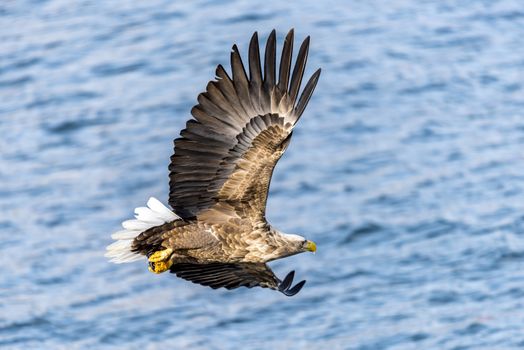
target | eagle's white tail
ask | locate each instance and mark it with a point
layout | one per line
(154, 214)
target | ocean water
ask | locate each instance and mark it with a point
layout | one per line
(407, 169)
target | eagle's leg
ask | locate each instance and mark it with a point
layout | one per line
(160, 261)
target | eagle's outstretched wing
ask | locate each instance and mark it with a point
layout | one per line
(241, 127)
(231, 276)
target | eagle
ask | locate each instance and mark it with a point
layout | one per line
(217, 234)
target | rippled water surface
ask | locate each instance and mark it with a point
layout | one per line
(407, 169)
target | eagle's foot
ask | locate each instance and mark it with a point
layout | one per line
(160, 261)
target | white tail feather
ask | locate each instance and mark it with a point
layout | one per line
(161, 210)
(147, 215)
(154, 215)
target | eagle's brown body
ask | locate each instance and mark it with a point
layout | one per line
(220, 175)
(200, 242)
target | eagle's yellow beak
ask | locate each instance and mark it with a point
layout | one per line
(311, 246)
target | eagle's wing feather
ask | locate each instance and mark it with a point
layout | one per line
(231, 276)
(241, 127)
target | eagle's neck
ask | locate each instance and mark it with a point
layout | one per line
(280, 244)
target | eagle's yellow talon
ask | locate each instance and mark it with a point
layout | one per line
(160, 255)
(159, 267)
(159, 261)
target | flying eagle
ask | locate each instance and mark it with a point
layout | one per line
(217, 234)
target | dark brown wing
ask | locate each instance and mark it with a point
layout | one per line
(231, 276)
(240, 129)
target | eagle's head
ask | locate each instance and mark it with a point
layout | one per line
(279, 245)
(298, 244)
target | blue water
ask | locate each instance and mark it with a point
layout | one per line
(407, 169)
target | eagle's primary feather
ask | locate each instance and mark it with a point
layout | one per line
(220, 173)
